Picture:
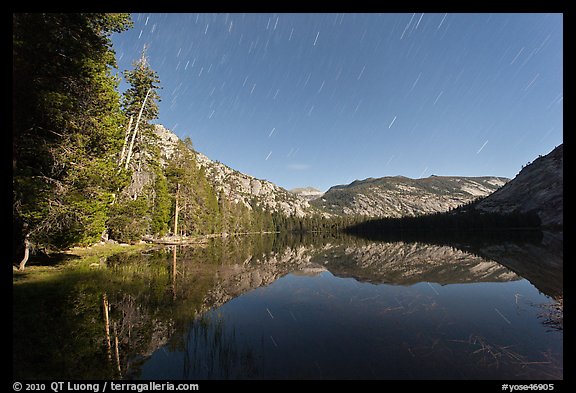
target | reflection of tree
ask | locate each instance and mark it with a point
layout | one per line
(139, 296)
(152, 297)
(173, 272)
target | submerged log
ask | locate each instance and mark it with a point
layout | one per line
(176, 240)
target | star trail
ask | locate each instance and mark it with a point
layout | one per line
(324, 99)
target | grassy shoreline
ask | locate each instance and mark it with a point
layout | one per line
(80, 258)
(90, 256)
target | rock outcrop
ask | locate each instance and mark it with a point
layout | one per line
(243, 188)
(239, 187)
(538, 187)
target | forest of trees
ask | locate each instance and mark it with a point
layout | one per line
(68, 128)
(86, 162)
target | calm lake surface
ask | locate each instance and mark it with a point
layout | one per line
(330, 308)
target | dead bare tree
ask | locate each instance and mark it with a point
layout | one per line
(123, 153)
(136, 130)
(26, 252)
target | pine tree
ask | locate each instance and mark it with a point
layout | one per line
(67, 126)
(140, 102)
(140, 160)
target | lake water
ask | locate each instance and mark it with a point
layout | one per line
(363, 311)
(266, 307)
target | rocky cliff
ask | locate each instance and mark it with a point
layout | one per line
(240, 187)
(538, 187)
(401, 196)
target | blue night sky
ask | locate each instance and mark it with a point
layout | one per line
(324, 99)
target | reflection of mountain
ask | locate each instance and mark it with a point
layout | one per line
(229, 338)
(396, 263)
(207, 278)
(401, 263)
(254, 272)
(534, 255)
(542, 264)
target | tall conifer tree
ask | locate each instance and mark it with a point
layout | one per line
(67, 126)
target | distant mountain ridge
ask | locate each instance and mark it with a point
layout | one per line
(397, 196)
(308, 193)
(538, 187)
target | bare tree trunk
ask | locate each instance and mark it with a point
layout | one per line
(136, 130)
(26, 252)
(126, 141)
(176, 211)
(107, 325)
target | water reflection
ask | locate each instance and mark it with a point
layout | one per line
(535, 255)
(344, 308)
(262, 307)
(541, 263)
